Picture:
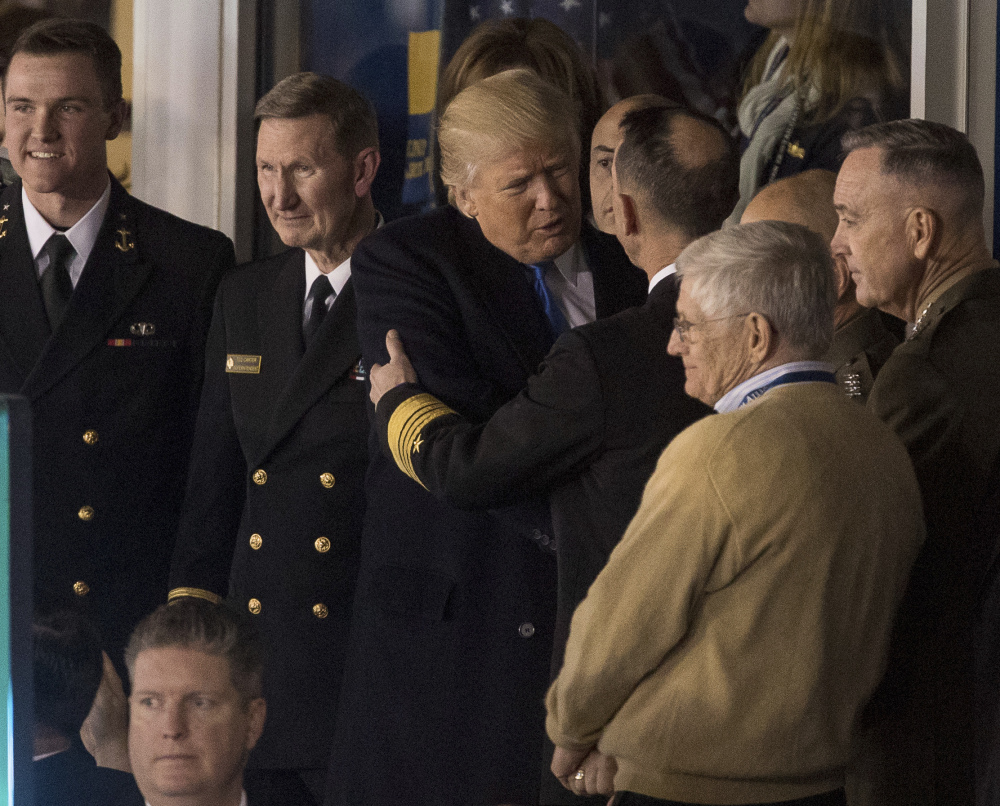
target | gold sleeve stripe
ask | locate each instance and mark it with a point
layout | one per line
(407, 421)
(197, 593)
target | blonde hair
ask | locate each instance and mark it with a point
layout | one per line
(500, 115)
(535, 44)
(839, 50)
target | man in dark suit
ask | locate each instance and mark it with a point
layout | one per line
(910, 200)
(452, 635)
(103, 319)
(67, 661)
(275, 498)
(592, 422)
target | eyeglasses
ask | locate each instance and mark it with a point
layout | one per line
(684, 328)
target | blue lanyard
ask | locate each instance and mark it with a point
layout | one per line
(804, 376)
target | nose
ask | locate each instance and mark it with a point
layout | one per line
(838, 246)
(547, 196)
(44, 128)
(285, 195)
(675, 346)
(174, 721)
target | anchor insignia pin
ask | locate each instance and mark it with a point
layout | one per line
(124, 240)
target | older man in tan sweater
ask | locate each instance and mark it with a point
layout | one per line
(725, 652)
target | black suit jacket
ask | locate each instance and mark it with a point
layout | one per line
(276, 497)
(72, 778)
(589, 427)
(114, 395)
(454, 612)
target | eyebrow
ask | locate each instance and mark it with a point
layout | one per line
(608, 149)
(67, 99)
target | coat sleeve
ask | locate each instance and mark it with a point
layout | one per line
(545, 433)
(215, 490)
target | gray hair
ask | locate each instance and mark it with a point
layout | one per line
(499, 115)
(779, 270)
(303, 94)
(924, 152)
(206, 627)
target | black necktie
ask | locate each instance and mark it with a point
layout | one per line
(57, 288)
(316, 307)
(553, 313)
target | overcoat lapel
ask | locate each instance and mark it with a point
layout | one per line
(114, 274)
(24, 326)
(507, 297)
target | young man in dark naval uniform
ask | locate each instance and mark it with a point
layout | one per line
(103, 320)
(275, 501)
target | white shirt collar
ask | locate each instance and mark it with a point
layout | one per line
(571, 263)
(82, 235)
(243, 799)
(663, 273)
(338, 277)
(734, 397)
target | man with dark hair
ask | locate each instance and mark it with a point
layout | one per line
(910, 201)
(67, 673)
(103, 321)
(275, 500)
(590, 425)
(196, 708)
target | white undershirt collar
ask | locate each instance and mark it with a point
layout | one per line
(82, 235)
(666, 271)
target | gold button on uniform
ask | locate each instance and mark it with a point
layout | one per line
(90, 436)
(327, 480)
(254, 605)
(259, 477)
(85, 513)
(81, 588)
(320, 610)
(322, 544)
(256, 541)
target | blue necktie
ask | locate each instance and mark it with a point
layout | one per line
(553, 313)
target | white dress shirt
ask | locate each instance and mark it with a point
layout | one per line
(82, 235)
(733, 399)
(572, 285)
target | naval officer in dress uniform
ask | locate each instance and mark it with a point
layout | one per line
(103, 320)
(275, 500)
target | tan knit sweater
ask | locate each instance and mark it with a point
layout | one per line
(724, 653)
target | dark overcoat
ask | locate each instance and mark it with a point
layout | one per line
(454, 612)
(275, 497)
(114, 396)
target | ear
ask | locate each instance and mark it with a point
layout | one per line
(762, 338)
(117, 113)
(464, 201)
(922, 231)
(257, 714)
(629, 225)
(365, 167)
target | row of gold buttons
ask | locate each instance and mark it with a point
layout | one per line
(260, 477)
(319, 610)
(321, 544)
(86, 513)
